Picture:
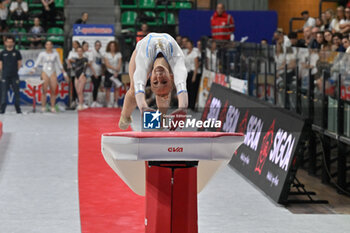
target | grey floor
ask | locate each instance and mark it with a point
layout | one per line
(38, 173)
(39, 190)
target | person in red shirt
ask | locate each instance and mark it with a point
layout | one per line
(222, 24)
(141, 34)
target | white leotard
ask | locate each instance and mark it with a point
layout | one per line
(147, 50)
(50, 62)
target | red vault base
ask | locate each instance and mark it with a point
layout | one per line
(171, 197)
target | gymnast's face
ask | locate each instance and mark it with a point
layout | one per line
(161, 80)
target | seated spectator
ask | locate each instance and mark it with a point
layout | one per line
(282, 39)
(344, 24)
(313, 42)
(319, 22)
(84, 18)
(36, 39)
(178, 39)
(3, 16)
(141, 34)
(293, 37)
(337, 42)
(49, 13)
(346, 44)
(263, 42)
(309, 21)
(319, 41)
(339, 17)
(328, 41)
(330, 20)
(19, 10)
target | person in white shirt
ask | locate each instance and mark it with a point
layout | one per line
(19, 10)
(344, 24)
(159, 58)
(340, 16)
(346, 44)
(191, 63)
(97, 66)
(51, 67)
(88, 54)
(282, 39)
(3, 16)
(113, 63)
(309, 21)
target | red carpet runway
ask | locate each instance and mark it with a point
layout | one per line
(106, 203)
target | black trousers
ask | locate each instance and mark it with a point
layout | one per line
(6, 82)
(192, 89)
(96, 81)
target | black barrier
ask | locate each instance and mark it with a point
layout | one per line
(267, 155)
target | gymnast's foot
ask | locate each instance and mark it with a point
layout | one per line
(124, 122)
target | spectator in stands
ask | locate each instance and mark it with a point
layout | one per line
(346, 44)
(141, 34)
(10, 62)
(264, 42)
(319, 22)
(97, 76)
(328, 41)
(73, 54)
(339, 17)
(51, 67)
(113, 63)
(330, 20)
(19, 10)
(192, 65)
(84, 18)
(313, 42)
(309, 21)
(337, 42)
(222, 24)
(179, 39)
(184, 40)
(293, 37)
(282, 39)
(344, 25)
(36, 39)
(48, 13)
(3, 16)
(319, 40)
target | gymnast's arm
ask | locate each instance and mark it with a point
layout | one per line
(180, 76)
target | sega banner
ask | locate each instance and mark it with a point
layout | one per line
(271, 138)
(93, 32)
(27, 93)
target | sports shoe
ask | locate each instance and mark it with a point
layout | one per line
(85, 106)
(115, 105)
(93, 105)
(80, 107)
(53, 109)
(116, 82)
(109, 105)
(124, 122)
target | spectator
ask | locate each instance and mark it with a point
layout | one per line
(73, 54)
(179, 39)
(264, 42)
(340, 16)
(337, 42)
(293, 37)
(319, 22)
(328, 41)
(50, 61)
(36, 39)
(324, 21)
(141, 34)
(10, 62)
(344, 24)
(330, 20)
(19, 10)
(113, 62)
(3, 17)
(222, 24)
(282, 39)
(313, 42)
(192, 65)
(211, 56)
(309, 21)
(183, 43)
(346, 44)
(320, 40)
(97, 76)
(84, 18)
(48, 13)
(199, 51)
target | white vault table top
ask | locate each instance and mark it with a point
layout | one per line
(125, 152)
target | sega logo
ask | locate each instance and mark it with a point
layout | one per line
(176, 149)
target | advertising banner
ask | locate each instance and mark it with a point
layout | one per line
(271, 138)
(93, 32)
